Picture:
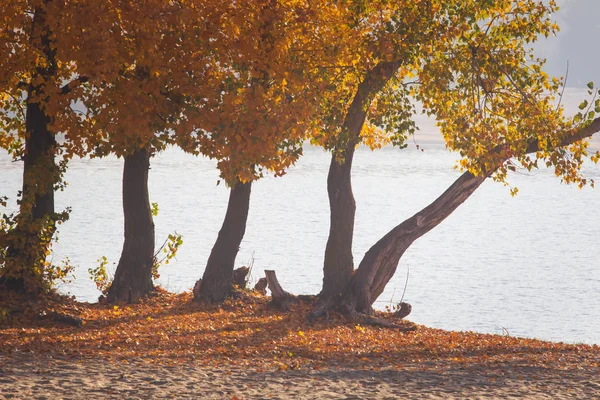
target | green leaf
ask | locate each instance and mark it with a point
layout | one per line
(583, 105)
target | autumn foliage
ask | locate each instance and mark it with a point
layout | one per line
(247, 84)
(168, 329)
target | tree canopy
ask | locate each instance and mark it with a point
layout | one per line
(247, 83)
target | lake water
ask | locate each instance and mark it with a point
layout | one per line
(526, 265)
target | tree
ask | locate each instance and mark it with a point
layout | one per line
(264, 89)
(492, 101)
(38, 84)
(375, 93)
(129, 108)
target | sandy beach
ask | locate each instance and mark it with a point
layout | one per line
(28, 377)
(167, 346)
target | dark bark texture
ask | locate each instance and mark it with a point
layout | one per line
(39, 171)
(133, 277)
(338, 262)
(381, 260)
(280, 299)
(39, 154)
(216, 282)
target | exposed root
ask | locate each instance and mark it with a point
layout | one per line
(403, 310)
(62, 318)
(382, 322)
(280, 299)
(321, 308)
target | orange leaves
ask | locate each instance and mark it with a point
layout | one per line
(169, 328)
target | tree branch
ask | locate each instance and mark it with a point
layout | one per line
(380, 262)
(66, 89)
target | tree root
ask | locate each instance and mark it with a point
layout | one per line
(321, 308)
(62, 318)
(403, 310)
(382, 322)
(282, 300)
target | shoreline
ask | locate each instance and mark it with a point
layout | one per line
(168, 346)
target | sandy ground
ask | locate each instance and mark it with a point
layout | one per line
(27, 377)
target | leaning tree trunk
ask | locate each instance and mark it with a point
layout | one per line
(40, 173)
(339, 264)
(216, 281)
(133, 277)
(381, 260)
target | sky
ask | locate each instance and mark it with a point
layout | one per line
(579, 22)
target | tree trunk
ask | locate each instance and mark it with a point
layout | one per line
(339, 263)
(381, 260)
(216, 281)
(40, 173)
(40, 169)
(133, 277)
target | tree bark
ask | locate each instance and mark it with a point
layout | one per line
(381, 260)
(39, 168)
(338, 262)
(280, 299)
(216, 282)
(133, 277)
(40, 173)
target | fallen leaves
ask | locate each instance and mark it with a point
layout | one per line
(168, 328)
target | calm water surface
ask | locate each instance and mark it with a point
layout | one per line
(527, 265)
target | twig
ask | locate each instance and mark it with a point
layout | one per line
(406, 283)
(564, 86)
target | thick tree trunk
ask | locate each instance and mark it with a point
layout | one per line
(40, 169)
(381, 260)
(40, 173)
(37, 203)
(133, 277)
(339, 263)
(216, 281)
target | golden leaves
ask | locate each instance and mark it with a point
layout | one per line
(170, 328)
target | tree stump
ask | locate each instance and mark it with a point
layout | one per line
(240, 277)
(261, 286)
(403, 311)
(279, 298)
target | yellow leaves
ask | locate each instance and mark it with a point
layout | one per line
(374, 137)
(171, 328)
